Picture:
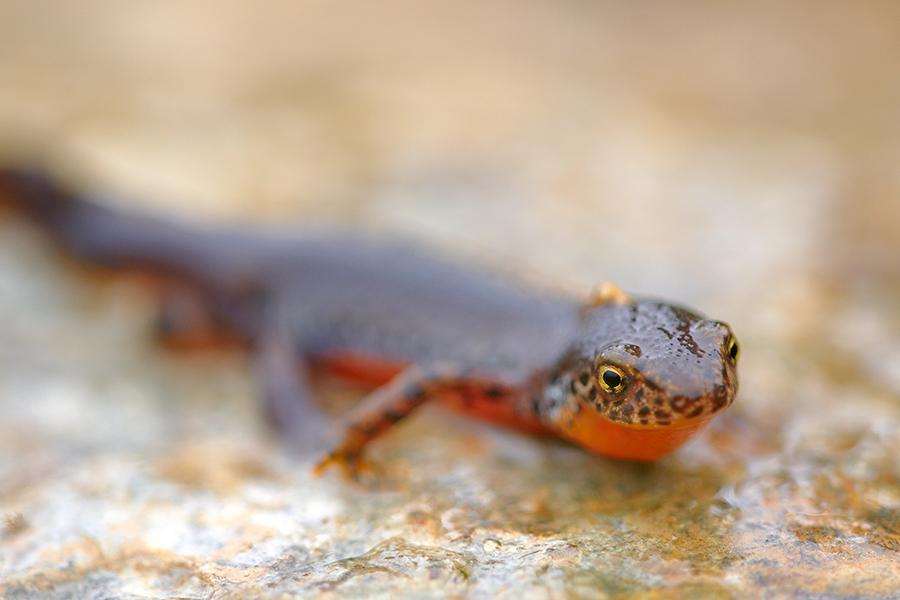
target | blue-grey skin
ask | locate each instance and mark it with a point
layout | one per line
(301, 298)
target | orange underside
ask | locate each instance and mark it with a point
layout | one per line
(629, 442)
(368, 371)
(468, 400)
(589, 429)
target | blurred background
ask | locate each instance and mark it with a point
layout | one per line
(741, 158)
(717, 145)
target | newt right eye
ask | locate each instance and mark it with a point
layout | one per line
(612, 379)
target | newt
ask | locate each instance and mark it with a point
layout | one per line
(623, 377)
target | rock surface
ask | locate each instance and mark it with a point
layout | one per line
(741, 159)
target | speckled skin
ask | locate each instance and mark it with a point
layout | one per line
(676, 365)
(419, 329)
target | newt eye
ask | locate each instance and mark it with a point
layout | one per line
(612, 379)
(733, 350)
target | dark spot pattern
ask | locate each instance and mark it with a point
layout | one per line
(633, 350)
(649, 363)
(695, 412)
(494, 391)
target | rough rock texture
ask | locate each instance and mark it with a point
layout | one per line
(738, 158)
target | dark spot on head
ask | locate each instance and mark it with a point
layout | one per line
(662, 414)
(633, 350)
(644, 411)
(664, 423)
(644, 421)
(687, 339)
(584, 378)
(592, 395)
(696, 412)
(628, 409)
(536, 406)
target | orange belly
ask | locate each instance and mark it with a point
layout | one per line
(629, 442)
(467, 398)
(366, 370)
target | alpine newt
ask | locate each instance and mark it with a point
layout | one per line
(623, 377)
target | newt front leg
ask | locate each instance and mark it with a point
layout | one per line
(390, 404)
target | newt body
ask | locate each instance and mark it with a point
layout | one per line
(626, 378)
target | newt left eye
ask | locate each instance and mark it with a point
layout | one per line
(612, 379)
(733, 350)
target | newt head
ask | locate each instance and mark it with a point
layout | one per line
(642, 378)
